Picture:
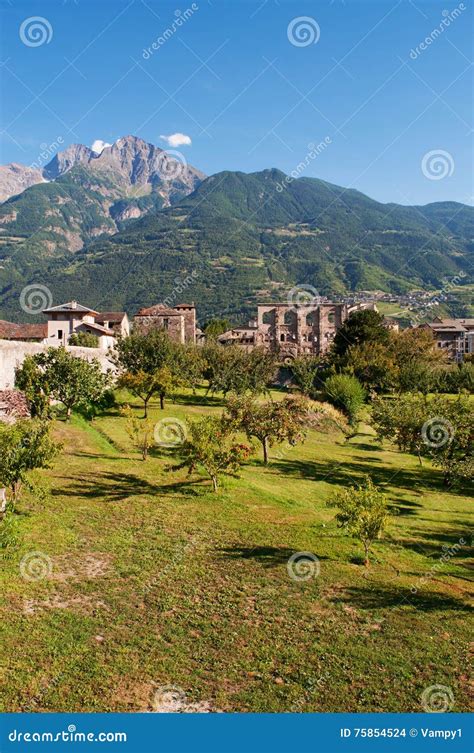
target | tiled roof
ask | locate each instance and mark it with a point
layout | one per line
(111, 316)
(97, 328)
(68, 307)
(13, 331)
(158, 310)
(451, 325)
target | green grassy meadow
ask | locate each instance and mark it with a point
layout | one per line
(157, 581)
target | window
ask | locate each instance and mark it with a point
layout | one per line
(166, 323)
(290, 318)
(60, 334)
(331, 318)
(282, 338)
(267, 317)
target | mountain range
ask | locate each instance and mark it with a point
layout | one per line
(124, 228)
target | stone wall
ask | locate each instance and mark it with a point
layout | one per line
(13, 353)
(300, 330)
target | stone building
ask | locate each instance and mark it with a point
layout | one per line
(72, 318)
(305, 329)
(455, 336)
(179, 322)
(115, 321)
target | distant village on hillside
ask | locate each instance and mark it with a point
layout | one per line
(291, 329)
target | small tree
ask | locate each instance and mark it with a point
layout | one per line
(141, 432)
(400, 421)
(145, 385)
(440, 427)
(215, 327)
(269, 422)
(34, 383)
(448, 434)
(84, 340)
(373, 365)
(416, 355)
(210, 444)
(142, 352)
(24, 446)
(232, 369)
(345, 392)
(74, 381)
(260, 367)
(61, 376)
(148, 364)
(188, 365)
(305, 371)
(363, 513)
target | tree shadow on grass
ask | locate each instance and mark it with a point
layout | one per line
(364, 446)
(114, 487)
(363, 458)
(199, 400)
(268, 556)
(346, 473)
(102, 456)
(379, 597)
(436, 544)
(404, 507)
(187, 487)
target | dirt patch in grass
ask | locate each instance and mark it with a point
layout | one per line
(170, 699)
(78, 603)
(87, 566)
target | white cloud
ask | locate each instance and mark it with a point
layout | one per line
(98, 146)
(177, 139)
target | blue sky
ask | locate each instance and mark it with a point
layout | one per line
(231, 77)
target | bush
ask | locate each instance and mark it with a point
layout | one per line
(84, 340)
(345, 392)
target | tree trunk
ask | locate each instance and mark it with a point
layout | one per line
(144, 453)
(68, 413)
(214, 483)
(145, 405)
(366, 560)
(162, 401)
(265, 450)
(15, 490)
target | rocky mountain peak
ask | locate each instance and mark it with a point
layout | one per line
(130, 162)
(64, 161)
(16, 178)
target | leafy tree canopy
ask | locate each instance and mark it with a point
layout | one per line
(360, 327)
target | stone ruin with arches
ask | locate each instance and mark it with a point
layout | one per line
(292, 330)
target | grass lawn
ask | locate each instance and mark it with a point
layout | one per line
(157, 581)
